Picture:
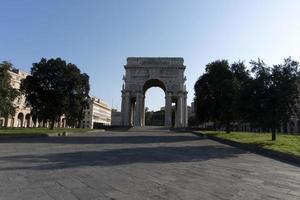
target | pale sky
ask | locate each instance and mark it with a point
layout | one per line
(99, 35)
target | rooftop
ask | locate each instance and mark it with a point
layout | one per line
(155, 61)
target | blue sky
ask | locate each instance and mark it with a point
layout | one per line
(98, 35)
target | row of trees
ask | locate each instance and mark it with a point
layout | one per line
(154, 118)
(54, 88)
(263, 96)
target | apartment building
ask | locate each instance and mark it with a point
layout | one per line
(97, 112)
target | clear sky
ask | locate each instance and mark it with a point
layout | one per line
(98, 35)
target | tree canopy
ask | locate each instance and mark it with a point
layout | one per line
(56, 88)
(272, 94)
(265, 97)
(7, 93)
(216, 92)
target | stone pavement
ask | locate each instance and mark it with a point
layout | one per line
(135, 165)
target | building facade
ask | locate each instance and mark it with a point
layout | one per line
(97, 112)
(22, 117)
(115, 118)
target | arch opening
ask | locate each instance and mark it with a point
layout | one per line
(154, 107)
(20, 120)
(153, 83)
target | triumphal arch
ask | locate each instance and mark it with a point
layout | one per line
(143, 73)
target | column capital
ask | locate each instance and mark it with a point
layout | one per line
(180, 94)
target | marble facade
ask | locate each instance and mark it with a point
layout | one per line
(142, 73)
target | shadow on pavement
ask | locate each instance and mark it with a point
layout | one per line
(117, 157)
(105, 139)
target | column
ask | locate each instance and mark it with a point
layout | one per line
(179, 111)
(132, 113)
(185, 112)
(15, 120)
(24, 120)
(176, 117)
(138, 109)
(143, 110)
(122, 108)
(168, 109)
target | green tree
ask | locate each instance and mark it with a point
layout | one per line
(193, 121)
(253, 95)
(241, 78)
(56, 88)
(215, 94)
(272, 94)
(7, 93)
(78, 87)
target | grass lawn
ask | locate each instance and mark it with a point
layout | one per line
(37, 131)
(284, 143)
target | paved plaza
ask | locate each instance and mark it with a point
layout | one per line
(136, 165)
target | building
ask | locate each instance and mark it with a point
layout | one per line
(22, 116)
(115, 118)
(96, 112)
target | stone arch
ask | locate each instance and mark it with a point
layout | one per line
(144, 73)
(20, 120)
(292, 127)
(63, 123)
(27, 120)
(153, 83)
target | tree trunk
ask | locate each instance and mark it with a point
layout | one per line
(228, 127)
(79, 122)
(273, 133)
(6, 121)
(52, 124)
(274, 125)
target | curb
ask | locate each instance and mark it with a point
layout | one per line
(24, 136)
(61, 134)
(276, 155)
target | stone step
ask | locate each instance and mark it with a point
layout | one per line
(150, 129)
